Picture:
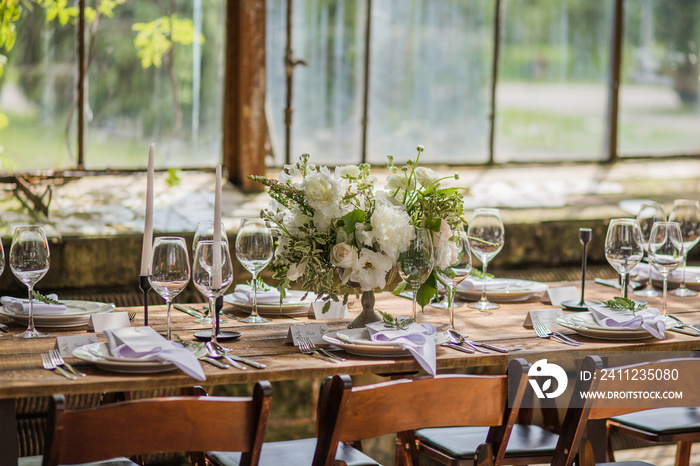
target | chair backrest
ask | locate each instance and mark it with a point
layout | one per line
(348, 414)
(168, 424)
(634, 378)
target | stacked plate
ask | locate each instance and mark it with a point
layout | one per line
(357, 341)
(502, 290)
(295, 304)
(77, 314)
(98, 354)
(585, 324)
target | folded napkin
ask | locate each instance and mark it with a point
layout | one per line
(244, 293)
(493, 284)
(649, 319)
(146, 343)
(21, 306)
(416, 338)
(641, 272)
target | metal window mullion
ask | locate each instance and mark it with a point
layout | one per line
(365, 88)
(614, 81)
(497, 23)
(81, 82)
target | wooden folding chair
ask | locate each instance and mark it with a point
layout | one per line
(169, 424)
(578, 413)
(352, 414)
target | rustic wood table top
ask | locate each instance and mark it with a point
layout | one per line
(22, 375)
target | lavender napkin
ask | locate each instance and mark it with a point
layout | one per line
(416, 338)
(649, 319)
(146, 343)
(21, 306)
(244, 293)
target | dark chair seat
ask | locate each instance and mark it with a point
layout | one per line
(293, 453)
(663, 421)
(37, 461)
(462, 442)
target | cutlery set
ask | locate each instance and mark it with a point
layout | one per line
(53, 361)
(543, 331)
(460, 343)
(306, 346)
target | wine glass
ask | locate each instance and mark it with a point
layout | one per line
(486, 236)
(205, 231)
(203, 274)
(649, 214)
(453, 262)
(169, 270)
(623, 247)
(687, 213)
(254, 249)
(29, 262)
(416, 262)
(666, 250)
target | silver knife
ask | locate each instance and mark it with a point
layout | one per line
(250, 362)
(459, 348)
(187, 311)
(685, 331)
(498, 349)
(214, 362)
(614, 284)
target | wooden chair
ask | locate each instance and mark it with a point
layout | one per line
(579, 412)
(168, 424)
(352, 414)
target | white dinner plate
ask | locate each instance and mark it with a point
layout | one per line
(517, 290)
(98, 354)
(297, 306)
(77, 314)
(594, 330)
(356, 341)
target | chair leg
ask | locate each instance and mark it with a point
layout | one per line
(683, 453)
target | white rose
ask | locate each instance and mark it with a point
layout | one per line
(370, 269)
(296, 271)
(343, 255)
(322, 191)
(322, 221)
(348, 171)
(426, 176)
(392, 230)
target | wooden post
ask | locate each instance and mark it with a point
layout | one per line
(244, 125)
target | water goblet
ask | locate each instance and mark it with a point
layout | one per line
(254, 249)
(649, 214)
(416, 262)
(29, 262)
(205, 231)
(623, 247)
(486, 237)
(687, 213)
(169, 271)
(453, 263)
(203, 275)
(666, 251)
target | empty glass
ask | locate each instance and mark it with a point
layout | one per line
(486, 237)
(666, 250)
(29, 262)
(254, 249)
(623, 247)
(687, 213)
(649, 214)
(203, 274)
(453, 263)
(169, 271)
(205, 231)
(416, 263)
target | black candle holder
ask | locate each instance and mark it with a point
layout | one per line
(145, 286)
(584, 235)
(205, 335)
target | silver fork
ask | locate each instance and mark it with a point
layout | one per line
(306, 349)
(57, 359)
(684, 328)
(313, 346)
(543, 331)
(51, 366)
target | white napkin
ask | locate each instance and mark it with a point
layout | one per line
(649, 319)
(493, 284)
(416, 338)
(21, 306)
(244, 293)
(641, 272)
(146, 343)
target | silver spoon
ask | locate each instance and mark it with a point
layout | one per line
(216, 351)
(458, 339)
(453, 343)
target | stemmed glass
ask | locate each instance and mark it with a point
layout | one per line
(649, 214)
(623, 247)
(169, 271)
(205, 231)
(666, 250)
(29, 262)
(687, 213)
(416, 263)
(486, 237)
(254, 249)
(453, 262)
(203, 274)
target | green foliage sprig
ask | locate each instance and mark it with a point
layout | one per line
(399, 323)
(44, 299)
(624, 304)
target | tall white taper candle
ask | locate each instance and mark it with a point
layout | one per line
(148, 227)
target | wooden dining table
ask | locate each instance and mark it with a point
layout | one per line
(22, 374)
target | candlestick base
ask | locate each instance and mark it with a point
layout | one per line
(205, 335)
(145, 286)
(574, 305)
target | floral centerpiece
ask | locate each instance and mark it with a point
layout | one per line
(337, 231)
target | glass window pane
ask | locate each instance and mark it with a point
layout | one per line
(37, 96)
(430, 77)
(171, 94)
(659, 104)
(552, 92)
